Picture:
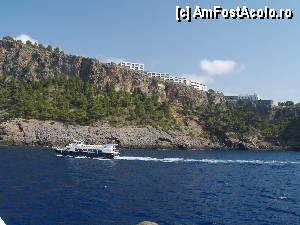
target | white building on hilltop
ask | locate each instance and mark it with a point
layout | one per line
(133, 66)
(166, 76)
(179, 80)
(199, 86)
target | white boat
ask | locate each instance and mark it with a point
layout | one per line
(77, 148)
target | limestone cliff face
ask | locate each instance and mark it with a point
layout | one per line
(51, 133)
(42, 133)
(30, 62)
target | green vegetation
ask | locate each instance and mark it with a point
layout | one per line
(74, 101)
(7, 39)
(71, 100)
(220, 120)
(285, 124)
(232, 121)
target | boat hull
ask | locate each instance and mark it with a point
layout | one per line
(85, 154)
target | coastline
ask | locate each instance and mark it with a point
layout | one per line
(292, 149)
(32, 132)
(127, 107)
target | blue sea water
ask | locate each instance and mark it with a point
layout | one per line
(168, 187)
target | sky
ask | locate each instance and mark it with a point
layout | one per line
(232, 56)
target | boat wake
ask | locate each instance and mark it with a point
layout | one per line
(81, 157)
(208, 161)
(184, 160)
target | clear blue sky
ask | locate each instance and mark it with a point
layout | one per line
(265, 53)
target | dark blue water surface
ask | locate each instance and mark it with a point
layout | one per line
(168, 187)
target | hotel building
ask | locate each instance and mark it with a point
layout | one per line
(166, 76)
(133, 66)
(179, 80)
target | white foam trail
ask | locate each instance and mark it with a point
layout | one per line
(80, 157)
(282, 197)
(101, 159)
(209, 161)
(136, 158)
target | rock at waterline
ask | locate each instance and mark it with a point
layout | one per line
(147, 223)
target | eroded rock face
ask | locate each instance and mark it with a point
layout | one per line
(29, 62)
(44, 133)
(50, 133)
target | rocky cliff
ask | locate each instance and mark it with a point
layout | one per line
(31, 62)
(34, 132)
(201, 119)
(48, 133)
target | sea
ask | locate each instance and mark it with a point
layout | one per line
(166, 187)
